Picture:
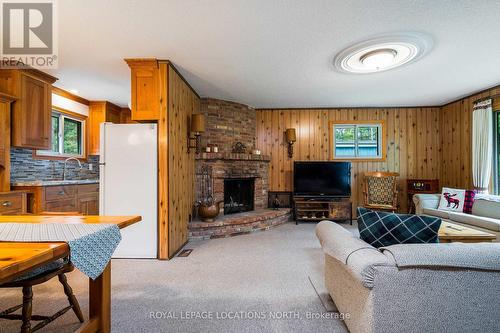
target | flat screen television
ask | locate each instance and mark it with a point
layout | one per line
(322, 179)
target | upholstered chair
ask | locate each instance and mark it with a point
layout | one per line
(380, 190)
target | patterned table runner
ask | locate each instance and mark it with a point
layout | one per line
(91, 245)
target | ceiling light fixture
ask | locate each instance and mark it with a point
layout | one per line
(383, 53)
(379, 59)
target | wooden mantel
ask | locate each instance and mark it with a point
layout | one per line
(233, 157)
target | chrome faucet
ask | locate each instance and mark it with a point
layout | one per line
(66, 160)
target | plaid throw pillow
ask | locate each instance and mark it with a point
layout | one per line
(469, 201)
(384, 229)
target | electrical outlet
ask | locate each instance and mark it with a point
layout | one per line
(91, 166)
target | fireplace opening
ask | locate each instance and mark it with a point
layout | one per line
(238, 195)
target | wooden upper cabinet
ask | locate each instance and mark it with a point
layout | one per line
(145, 83)
(31, 112)
(100, 112)
(126, 116)
(5, 103)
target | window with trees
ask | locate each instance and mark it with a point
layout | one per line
(362, 140)
(68, 135)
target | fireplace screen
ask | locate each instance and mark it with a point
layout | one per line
(238, 195)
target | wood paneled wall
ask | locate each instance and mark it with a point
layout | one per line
(456, 139)
(412, 138)
(162, 95)
(182, 103)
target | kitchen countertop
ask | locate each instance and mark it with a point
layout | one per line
(54, 182)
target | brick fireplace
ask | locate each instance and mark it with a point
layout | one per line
(241, 181)
(226, 167)
(226, 124)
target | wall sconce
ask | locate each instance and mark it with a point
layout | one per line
(290, 139)
(197, 127)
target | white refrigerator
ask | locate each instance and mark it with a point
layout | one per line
(128, 184)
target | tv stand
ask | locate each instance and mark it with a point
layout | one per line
(315, 209)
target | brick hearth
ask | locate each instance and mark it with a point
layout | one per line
(239, 224)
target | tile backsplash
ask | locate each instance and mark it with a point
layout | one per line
(23, 167)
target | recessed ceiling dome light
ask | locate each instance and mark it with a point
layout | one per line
(379, 59)
(383, 53)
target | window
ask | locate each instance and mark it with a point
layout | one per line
(496, 123)
(68, 139)
(357, 140)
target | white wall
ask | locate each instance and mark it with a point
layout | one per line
(70, 105)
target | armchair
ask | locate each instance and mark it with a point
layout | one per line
(380, 190)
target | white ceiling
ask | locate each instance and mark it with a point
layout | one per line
(278, 53)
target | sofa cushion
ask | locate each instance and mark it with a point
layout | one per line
(384, 229)
(478, 221)
(486, 207)
(452, 199)
(346, 248)
(436, 212)
(463, 255)
(469, 201)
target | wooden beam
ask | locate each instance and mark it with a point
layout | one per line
(163, 176)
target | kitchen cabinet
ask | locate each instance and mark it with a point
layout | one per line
(88, 199)
(146, 97)
(30, 123)
(126, 117)
(13, 203)
(82, 198)
(5, 103)
(100, 112)
(88, 205)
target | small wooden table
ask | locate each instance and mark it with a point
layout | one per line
(17, 258)
(449, 232)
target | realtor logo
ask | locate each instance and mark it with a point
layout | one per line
(28, 34)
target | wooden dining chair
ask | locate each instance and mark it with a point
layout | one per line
(38, 276)
(380, 190)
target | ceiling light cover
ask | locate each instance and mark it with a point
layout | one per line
(383, 53)
(378, 59)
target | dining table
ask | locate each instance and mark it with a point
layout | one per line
(19, 258)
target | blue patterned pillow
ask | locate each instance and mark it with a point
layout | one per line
(384, 229)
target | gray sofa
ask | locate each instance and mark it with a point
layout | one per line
(413, 287)
(485, 212)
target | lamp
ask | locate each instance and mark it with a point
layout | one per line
(197, 127)
(290, 139)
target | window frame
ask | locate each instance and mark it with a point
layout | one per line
(65, 114)
(382, 138)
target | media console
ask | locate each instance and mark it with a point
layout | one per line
(315, 209)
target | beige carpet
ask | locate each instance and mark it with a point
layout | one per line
(239, 283)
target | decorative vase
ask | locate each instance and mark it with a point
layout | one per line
(208, 212)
